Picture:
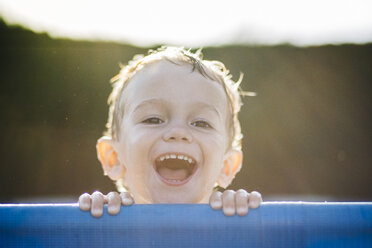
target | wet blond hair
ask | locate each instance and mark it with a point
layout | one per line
(214, 70)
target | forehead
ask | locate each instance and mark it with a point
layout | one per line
(174, 83)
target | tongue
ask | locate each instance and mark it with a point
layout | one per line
(179, 174)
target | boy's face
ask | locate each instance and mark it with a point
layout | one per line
(173, 136)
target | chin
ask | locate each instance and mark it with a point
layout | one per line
(176, 198)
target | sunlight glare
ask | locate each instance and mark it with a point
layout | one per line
(195, 22)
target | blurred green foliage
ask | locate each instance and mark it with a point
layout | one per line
(307, 132)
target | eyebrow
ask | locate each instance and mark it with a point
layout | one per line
(151, 101)
(155, 101)
(211, 107)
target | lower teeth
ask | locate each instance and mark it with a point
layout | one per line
(174, 180)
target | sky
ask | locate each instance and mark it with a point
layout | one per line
(194, 23)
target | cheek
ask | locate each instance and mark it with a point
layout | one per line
(137, 136)
(134, 146)
(216, 143)
(214, 149)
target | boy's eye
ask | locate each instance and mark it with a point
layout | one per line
(153, 120)
(202, 124)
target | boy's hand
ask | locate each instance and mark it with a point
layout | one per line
(95, 202)
(231, 201)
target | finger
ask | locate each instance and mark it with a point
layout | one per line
(241, 202)
(85, 202)
(126, 199)
(98, 200)
(255, 199)
(228, 202)
(113, 203)
(215, 201)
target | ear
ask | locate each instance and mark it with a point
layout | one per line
(108, 157)
(231, 165)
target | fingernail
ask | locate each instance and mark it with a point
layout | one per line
(242, 211)
(216, 204)
(96, 213)
(84, 206)
(113, 210)
(127, 201)
(253, 204)
(229, 211)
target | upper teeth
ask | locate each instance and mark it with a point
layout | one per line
(174, 156)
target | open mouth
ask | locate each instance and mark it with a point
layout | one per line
(175, 169)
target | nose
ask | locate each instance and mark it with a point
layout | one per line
(178, 133)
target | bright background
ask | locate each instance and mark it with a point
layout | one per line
(307, 133)
(196, 22)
